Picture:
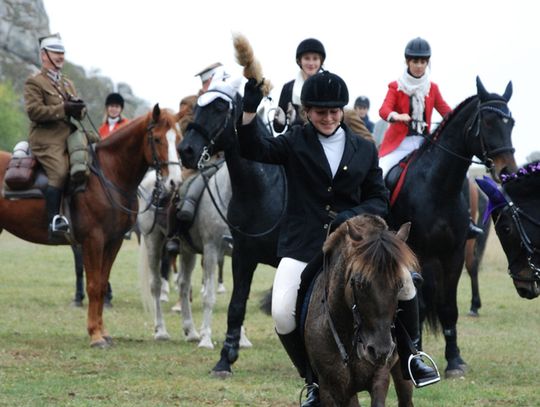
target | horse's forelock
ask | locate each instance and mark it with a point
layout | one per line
(378, 252)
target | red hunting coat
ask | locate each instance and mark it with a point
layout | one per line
(399, 101)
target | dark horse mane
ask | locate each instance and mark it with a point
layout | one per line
(371, 249)
(446, 121)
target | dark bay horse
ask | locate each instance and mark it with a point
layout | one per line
(515, 210)
(106, 210)
(433, 199)
(351, 313)
(255, 209)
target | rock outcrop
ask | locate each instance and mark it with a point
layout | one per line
(22, 22)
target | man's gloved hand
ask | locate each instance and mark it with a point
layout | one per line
(279, 120)
(340, 218)
(75, 108)
(252, 95)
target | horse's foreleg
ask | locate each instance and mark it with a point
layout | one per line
(79, 275)
(448, 316)
(404, 388)
(210, 260)
(110, 253)
(187, 264)
(243, 270)
(221, 287)
(95, 289)
(155, 245)
(471, 265)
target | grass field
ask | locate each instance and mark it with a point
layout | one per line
(45, 358)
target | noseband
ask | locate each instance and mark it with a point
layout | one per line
(517, 214)
(504, 113)
(208, 149)
(474, 125)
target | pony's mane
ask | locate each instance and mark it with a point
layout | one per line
(367, 246)
(532, 168)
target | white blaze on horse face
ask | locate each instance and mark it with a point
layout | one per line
(175, 175)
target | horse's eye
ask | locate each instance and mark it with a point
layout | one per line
(157, 140)
(506, 229)
(505, 120)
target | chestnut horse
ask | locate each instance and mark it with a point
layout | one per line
(107, 209)
(351, 313)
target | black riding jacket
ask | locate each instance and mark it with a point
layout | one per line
(313, 194)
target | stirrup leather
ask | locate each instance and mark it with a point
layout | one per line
(421, 354)
(58, 219)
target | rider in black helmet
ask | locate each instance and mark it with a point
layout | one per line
(310, 56)
(311, 155)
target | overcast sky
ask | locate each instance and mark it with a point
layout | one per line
(157, 46)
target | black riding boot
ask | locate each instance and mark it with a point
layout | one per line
(294, 346)
(58, 224)
(408, 341)
(474, 231)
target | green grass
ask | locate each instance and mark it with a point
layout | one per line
(45, 358)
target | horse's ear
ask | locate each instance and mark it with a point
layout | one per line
(508, 92)
(156, 112)
(481, 90)
(403, 232)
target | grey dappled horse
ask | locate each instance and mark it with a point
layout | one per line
(206, 238)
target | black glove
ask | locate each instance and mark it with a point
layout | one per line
(75, 109)
(340, 218)
(252, 95)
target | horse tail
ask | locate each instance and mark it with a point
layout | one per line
(145, 277)
(246, 58)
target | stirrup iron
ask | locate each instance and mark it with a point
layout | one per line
(420, 355)
(57, 219)
(306, 387)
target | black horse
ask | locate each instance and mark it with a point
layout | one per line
(255, 210)
(516, 215)
(433, 198)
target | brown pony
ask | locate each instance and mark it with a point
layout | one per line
(107, 209)
(348, 328)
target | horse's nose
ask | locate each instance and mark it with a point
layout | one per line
(186, 154)
(379, 355)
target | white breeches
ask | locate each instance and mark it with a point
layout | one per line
(408, 145)
(284, 294)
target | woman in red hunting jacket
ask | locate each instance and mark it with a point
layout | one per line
(408, 106)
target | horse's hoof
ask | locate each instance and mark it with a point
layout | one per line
(221, 289)
(192, 337)
(100, 344)
(162, 336)
(206, 343)
(473, 313)
(77, 303)
(223, 374)
(245, 343)
(108, 339)
(454, 373)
